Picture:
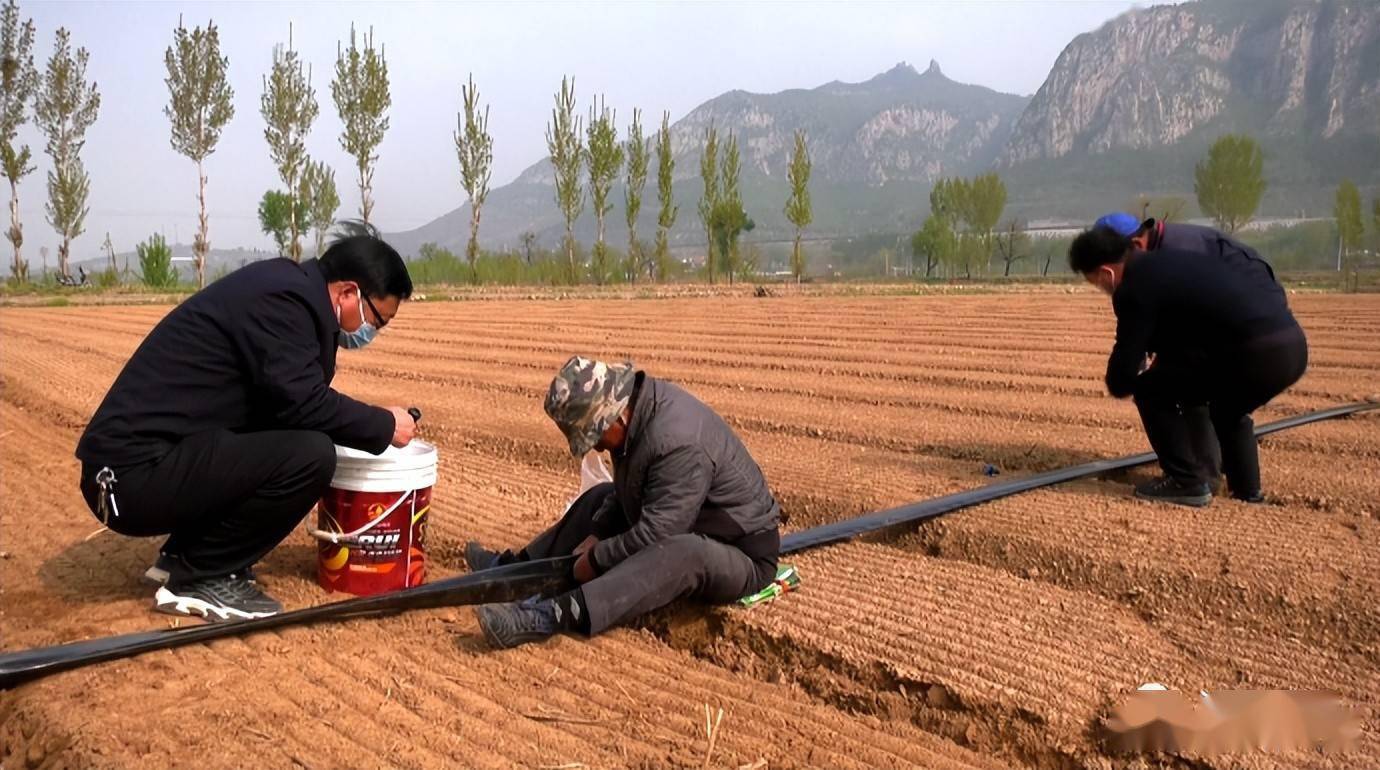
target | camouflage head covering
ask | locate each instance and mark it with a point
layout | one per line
(586, 397)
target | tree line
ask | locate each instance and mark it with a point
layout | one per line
(961, 235)
(590, 152)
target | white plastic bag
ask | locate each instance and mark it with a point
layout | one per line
(593, 472)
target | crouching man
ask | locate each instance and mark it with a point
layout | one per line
(1224, 343)
(688, 513)
(220, 431)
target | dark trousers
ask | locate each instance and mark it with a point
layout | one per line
(224, 499)
(1197, 410)
(681, 566)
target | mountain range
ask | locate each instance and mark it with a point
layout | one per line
(1125, 111)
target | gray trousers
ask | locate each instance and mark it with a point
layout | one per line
(681, 566)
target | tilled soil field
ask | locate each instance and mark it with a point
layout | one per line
(995, 637)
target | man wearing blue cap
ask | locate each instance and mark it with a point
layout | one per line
(1153, 235)
(1222, 343)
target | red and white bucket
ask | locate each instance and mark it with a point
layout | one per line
(372, 523)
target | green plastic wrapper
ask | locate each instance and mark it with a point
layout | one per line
(787, 579)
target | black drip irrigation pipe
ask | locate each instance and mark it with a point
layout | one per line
(938, 506)
(517, 581)
(501, 584)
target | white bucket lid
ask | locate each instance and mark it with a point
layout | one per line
(417, 455)
(397, 469)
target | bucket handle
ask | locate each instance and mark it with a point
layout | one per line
(352, 538)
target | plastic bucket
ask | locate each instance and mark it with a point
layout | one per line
(372, 523)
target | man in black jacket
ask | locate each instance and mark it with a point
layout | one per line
(1221, 335)
(1151, 235)
(688, 513)
(220, 432)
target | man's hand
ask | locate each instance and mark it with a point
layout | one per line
(584, 568)
(404, 427)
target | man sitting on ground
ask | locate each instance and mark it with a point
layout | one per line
(688, 513)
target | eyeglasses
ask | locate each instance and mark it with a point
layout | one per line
(382, 321)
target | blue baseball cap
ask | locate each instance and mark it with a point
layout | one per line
(1119, 221)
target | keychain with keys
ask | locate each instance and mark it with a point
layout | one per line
(105, 479)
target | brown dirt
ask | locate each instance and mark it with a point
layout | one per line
(996, 637)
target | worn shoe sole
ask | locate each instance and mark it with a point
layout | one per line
(1192, 501)
(190, 606)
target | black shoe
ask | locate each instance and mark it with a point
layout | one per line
(477, 557)
(231, 597)
(514, 623)
(1249, 497)
(1169, 490)
(158, 574)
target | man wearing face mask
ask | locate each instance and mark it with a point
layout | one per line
(1151, 235)
(1222, 336)
(220, 432)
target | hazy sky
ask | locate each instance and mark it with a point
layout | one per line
(656, 56)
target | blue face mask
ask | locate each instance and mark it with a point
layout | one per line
(359, 337)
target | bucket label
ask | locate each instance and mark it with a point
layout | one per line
(383, 545)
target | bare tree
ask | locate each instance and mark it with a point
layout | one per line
(200, 103)
(110, 254)
(1013, 245)
(474, 146)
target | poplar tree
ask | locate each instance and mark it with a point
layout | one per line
(200, 103)
(65, 107)
(666, 215)
(360, 91)
(289, 108)
(566, 146)
(638, 154)
(18, 82)
(798, 209)
(474, 147)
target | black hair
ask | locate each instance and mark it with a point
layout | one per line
(1097, 247)
(359, 254)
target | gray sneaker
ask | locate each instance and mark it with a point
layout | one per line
(231, 597)
(477, 557)
(509, 625)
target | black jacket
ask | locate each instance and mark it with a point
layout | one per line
(1174, 236)
(1179, 305)
(252, 351)
(682, 469)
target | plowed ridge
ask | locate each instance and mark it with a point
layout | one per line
(993, 638)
